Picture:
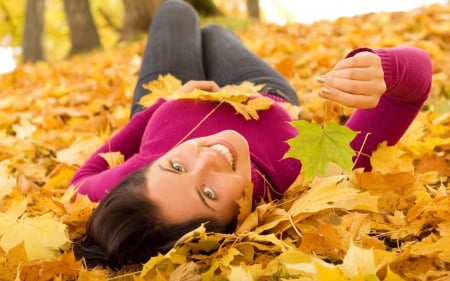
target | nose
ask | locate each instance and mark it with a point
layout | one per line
(208, 160)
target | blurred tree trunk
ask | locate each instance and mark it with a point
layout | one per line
(83, 31)
(253, 8)
(205, 7)
(33, 31)
(137, 17)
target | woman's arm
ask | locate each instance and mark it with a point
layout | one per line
(95, 177)
(407, 74)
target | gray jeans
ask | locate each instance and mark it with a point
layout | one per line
(179, 46)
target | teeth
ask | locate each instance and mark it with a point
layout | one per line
(225, 152)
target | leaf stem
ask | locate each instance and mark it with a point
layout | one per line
(199, 123)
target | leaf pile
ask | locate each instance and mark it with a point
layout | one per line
(390, 224)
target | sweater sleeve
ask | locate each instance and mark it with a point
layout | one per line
(408, 75)
(95, 178)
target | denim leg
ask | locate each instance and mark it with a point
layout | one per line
(227, 61)
(174, 46)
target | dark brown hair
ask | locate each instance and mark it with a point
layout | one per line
(126, 228)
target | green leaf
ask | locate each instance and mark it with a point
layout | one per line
(316, 146)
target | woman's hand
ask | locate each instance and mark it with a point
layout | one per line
(356, 81)
(204, 85)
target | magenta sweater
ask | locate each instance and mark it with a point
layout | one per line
(155, 130)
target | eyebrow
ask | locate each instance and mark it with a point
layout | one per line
(200, 195)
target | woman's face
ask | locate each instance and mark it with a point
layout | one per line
(201, 178)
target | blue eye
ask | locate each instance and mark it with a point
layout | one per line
(209, 193)
(178, 167)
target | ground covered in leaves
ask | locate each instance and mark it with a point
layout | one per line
(390, 224)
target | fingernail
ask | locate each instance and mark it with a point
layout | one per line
(321, 79)
(325, 91)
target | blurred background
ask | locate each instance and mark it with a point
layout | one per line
(34, 30)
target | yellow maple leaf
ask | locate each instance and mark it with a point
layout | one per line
(10, 263)
(391, 159)
(269, 239)
(431, 246)
(167, 86)
(363, 201)
(296, 262)
(163, 87)
(60, 180)
(239, 273)
(261, 213)
(257, 104)
(113, 158)
(80, 150)
(427, 145)
(397, 219)
(42, 235)
(151, 264)
(230, 97)
(358, 262)
(327, 271)
(224, 261)
(245, 103)
(322, 195)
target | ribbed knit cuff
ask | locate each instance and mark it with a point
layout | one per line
(386, 62)
(388, 68)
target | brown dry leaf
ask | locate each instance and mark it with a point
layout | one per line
(324, 240)
(66, 267)
(10, 264)
(392, 189)
(434, 163)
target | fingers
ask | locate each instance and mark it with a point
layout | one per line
(348, 99)
(204, 85)
(356, 81)
(360, 60)
(357, 74)
(361, 81)
(354, 93)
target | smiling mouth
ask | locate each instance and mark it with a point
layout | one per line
(225, 152)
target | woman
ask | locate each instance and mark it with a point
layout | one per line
(188, 161)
